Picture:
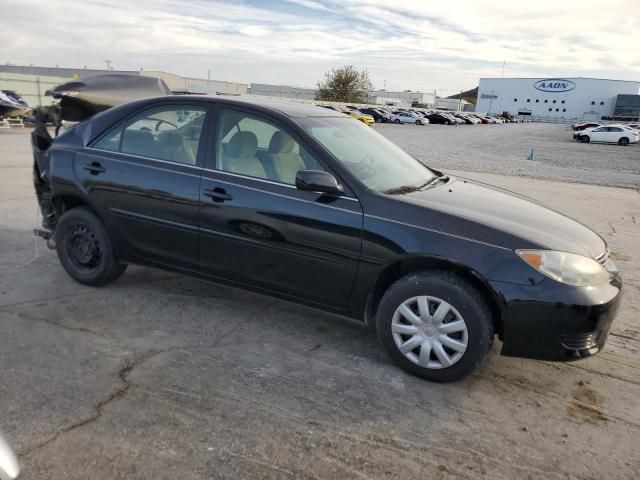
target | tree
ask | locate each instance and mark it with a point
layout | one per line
(345, 84)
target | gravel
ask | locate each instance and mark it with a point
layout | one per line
(504, 149)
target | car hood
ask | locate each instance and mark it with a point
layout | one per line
(526, 223)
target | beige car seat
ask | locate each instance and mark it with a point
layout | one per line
(286, 162)
(240, 156)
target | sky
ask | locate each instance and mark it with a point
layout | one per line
(418, 45)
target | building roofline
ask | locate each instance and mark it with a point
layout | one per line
(559, 78)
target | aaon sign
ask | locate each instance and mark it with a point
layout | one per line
(554, 85)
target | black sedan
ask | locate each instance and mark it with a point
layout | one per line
(305, 204)
(378, 115)
(439, 118)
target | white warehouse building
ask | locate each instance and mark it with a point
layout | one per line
(554, 98)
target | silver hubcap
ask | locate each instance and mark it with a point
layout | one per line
(429, 332)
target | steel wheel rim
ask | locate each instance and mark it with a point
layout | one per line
(429, 332)
(83, 249)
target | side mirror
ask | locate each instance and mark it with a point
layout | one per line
(318, 181)
(9, 466)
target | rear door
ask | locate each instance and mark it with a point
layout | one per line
(144, 177)
(615, 133)
(257, 228)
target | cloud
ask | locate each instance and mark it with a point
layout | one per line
(410, 44)
(308, 4)
(254, 30)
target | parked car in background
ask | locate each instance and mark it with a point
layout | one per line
(358, 115)
(440, 118)
(379, 116)
(409, 117)
(304, 204)
(577, 127)
(9, 466)
(491, 120)
(619, 134)
(352, 112)
(474, 120)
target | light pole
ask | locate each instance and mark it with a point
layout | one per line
(108, 62)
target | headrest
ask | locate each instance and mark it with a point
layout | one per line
(243, 144)
(192, 132)
(170, 139)
(137, 137)
(281, 143)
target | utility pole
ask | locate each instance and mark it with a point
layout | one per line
(108, 62)
(39, 94)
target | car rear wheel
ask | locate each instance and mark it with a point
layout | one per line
(84, 248)
(435, 325)
(623, 141)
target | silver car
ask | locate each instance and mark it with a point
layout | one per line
(9, 466)
(409, 117)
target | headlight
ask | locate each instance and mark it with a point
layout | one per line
(567, 268)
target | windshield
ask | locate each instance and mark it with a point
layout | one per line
(378, 163)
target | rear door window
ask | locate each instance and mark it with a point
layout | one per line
(170, 133)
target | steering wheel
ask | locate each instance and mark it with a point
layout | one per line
(160, 122)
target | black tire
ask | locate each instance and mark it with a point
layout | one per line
(418, 122)
(459, 294)
(585, 139)
(623, 141)
(396, 121)
(85, 250)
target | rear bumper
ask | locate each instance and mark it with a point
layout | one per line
(551, 321)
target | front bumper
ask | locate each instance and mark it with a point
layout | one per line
(552, 321)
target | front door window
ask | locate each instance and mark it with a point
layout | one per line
(249, 145)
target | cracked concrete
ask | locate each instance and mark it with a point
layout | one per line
(162, 376)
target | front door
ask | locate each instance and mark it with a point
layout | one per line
(599, 134)
(144, 177)
(257, 228)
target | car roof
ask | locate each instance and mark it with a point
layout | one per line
(290, 109)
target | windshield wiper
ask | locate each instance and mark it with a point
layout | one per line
(433, 181)
(401, 189)
(414, 188)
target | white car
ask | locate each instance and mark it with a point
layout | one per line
(609, 134)
(409, 117)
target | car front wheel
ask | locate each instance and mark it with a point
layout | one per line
(623, 141)
(85, 250)
(396, 121)
(585, 139)
(435, 325)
